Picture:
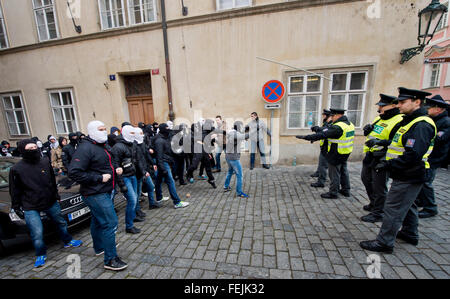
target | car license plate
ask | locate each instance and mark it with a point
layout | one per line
(79, 213)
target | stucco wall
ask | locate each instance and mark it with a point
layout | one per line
(214, 64)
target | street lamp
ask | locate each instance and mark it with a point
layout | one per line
(429, 19)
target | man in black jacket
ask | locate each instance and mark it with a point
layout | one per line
(408, 166)
(32, 186)
(203, 144)
(92, 167)
(437, 110)
(340, 136)
(125, 160)
(165, 163)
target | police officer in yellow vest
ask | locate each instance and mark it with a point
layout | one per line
(407, 164)
(340, 136)
(379, 135)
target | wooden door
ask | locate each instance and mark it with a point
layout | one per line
(141, 110)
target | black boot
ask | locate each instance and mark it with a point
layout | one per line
(402, 236)
(213, 184)
(427, 214)
(376, 246)
(317, 185)
(372, 218)
(329, 195)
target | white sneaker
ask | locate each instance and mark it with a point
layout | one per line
(166, 198)
(181, 204)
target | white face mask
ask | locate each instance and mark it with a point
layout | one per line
(128, 133)
(96, 135)
(139, 135)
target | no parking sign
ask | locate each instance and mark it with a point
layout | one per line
(273, 91)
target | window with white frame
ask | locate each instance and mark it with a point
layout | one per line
(15, 114)
(304, 101)
(44, 13)
(3, 36)
(141, 11)
(63, 109)
(348, 91)
(229, 4)
(112, 13)
(444, 21)
(435, 70)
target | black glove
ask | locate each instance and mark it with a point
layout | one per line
(309, 138)
(383, 165)
(19, 212)
(380, 142)
(368, 129)
(315, 129)
(300, 137)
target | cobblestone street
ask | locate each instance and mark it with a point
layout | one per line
(285, 230)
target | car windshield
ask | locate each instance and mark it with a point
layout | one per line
(5, 166)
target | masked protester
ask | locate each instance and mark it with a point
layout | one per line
(92, 167)
(6, 149)
(202, 150)
(114, 133)
(33, 190)
(145, 168)
(125, 161)
(165, 162)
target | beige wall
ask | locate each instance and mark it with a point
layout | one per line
(214, 63)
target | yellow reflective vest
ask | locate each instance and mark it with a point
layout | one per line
(382, 130)
(345, 142)
(397, 148)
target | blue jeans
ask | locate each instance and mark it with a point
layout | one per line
(234, 167)
(168, 178)
(131, 196)
(103, 224)
(218, 153)
(150, 189)
(36, 228)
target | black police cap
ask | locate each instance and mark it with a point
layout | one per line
(386, 100)
(326, 112)
(436, 101)
(414, 94)
(335, 111)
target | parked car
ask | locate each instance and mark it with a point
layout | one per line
(12, 226)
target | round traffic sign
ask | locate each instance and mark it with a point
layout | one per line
(273, 91)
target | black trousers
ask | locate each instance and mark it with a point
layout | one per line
(338, 177)
(203, 158)
(180, 167)
(376, 187)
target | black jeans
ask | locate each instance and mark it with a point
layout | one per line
(204, 158)
(338, 176)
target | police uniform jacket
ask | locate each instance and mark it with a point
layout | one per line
(442, 141)
(409, 167)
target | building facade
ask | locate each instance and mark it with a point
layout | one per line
(55, 80)
(435, 73)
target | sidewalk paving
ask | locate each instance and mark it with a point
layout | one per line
(285, 230)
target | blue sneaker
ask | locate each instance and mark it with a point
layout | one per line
(243, 195)
(226, 189)
(202, 177)
(73, 243)
(191, 180)
(40, 261)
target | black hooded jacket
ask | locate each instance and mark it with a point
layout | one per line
(32, 184)
(163, 148)
(125, 157)
(89, 163)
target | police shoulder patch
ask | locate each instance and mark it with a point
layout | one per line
(410, 142)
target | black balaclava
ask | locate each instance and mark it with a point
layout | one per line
(31, 156)
(164, 130)
(141, 125)
(72, 141)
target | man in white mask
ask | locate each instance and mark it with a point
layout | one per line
(91, 166)
(143, 175)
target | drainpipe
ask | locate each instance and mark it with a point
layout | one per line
(166, 51)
